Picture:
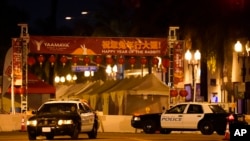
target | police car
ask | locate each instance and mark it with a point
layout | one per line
(69, 117)
(187, 116)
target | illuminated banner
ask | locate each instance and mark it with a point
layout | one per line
(178, 62)
(98, 45)
(17, 61)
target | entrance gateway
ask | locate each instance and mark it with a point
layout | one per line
(163, 48)
(98, 46)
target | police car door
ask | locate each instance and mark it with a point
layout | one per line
(193, 116)
(172, 118)
(87, 118)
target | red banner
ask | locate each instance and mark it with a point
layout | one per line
(178, 62)
(98, 45)
(17, 61)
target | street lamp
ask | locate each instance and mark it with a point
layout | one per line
(111, 71)
(193, 60)
(68, 78)
(243, 54)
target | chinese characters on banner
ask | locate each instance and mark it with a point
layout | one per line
(17, 61)
(178, 62)
(143, 47)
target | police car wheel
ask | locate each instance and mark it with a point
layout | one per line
(149, 127)
(165, 131)
(206, 128)
(75, 133)
(32, 136)
(49, 137)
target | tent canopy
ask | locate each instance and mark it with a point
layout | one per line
(150, 85)
(147, 85)
(35, 86)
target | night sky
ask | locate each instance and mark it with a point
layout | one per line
(209, 23)
(213, 26)
(41, 9)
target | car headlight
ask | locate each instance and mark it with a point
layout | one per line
(61, 122)
(31, 123)
(137, 118)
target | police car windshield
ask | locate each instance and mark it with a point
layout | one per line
(57, 108)
(217, 109)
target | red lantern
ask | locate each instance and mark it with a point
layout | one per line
(121, 60)
(63, 60)
(52, 59)
(183, 93)
(20, 90)
(74, 60)
(143, 61)
(132, 61)
(155, 61)
(109, 60)
(40, 59)
(98, 60)
(173, 93)
(31, 60)
(86, 60)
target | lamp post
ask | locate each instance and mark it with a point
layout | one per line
(193, 60)
(243, 54)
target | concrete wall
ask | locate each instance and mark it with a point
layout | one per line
(109, 123)
(11, 122)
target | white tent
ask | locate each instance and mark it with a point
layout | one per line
(125, 93)
(141, 86)
(151, 93)
(150, 86)
(119, 91)
(96, 91)
(72, 89)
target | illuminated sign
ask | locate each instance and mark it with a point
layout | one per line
(83, 68)
(98, 45)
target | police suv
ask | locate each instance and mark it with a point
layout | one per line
(69, 117)
(188, 116)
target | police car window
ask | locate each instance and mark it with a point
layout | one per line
(86, 107)
(81, 107)
(195, 109)
(217, 109)
(177, 109)
(55, 108)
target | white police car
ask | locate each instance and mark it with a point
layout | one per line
(187, 116)
(205, 117)
(69, 117)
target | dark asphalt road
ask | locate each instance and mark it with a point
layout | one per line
(22, 136)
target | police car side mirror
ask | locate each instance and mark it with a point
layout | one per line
(163, 108)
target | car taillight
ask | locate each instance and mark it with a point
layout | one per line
(230, 117)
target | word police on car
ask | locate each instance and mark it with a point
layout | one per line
(187, 116)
